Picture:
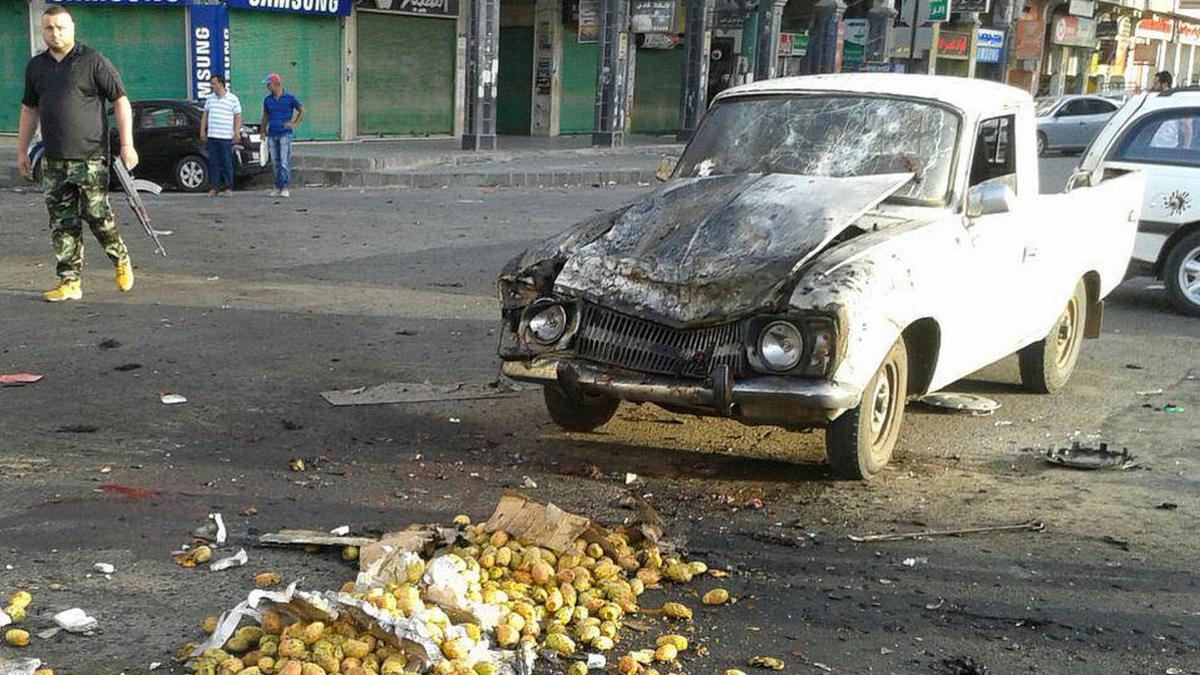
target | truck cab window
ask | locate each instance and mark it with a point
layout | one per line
(994, 159)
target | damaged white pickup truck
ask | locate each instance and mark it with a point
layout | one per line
(826, 248)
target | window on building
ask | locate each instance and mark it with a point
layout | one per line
(1169, 137)
(995, 158)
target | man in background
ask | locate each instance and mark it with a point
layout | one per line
(282, 112)
(66, 88)
(220, 125)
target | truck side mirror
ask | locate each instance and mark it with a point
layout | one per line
(666, 166)
(989, 198)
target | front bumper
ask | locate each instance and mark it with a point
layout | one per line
(783, 401)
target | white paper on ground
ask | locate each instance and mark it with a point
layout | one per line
(75, 620)
(220, 522)
(19, 666)
(236, 560)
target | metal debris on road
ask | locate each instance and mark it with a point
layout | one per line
(1029, 525)
(19, 379)
(421, 392)
(104, 568)
(312, 537)
(959, 402)
(1088, 458)
(172, 399)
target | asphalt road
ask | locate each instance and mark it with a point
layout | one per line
(264, 304)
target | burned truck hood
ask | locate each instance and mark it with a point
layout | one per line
(706, 249)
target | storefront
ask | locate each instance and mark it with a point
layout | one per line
(1068, 62)
(1152, 36)
(406, 64)
(145, 40)
(14, 53)
(304, 46)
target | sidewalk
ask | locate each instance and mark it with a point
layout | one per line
(520, 161)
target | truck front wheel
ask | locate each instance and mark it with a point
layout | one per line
(1182, 274)
(860, 442)
(584, 412)
(1047, 364)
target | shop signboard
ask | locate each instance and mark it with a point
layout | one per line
(208, 47)
(1189, 33)
(1074, 31)
(989, 46)
(854, 47)
(1155, 29)
(799, 44)
(446, 9)
(652, 16)
(1082, 8)
(589, 21)
(176, 3)
(318, 7)
(980, 6)
(786, 44)
(1028, 44)
(954, 45)
(939, 10)
(1107, 28)
(1145, 54)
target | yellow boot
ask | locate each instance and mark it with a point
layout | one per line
(67, 289)
(125, 276)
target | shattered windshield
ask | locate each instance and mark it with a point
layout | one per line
(828, 135)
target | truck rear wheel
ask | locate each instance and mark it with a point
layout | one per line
(861, 441)
(1047, 364)
(1182, 274)
(585, 412)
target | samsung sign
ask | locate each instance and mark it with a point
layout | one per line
(322, 7)
(208, 47)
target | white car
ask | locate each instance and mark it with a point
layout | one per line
(1159, 136)
(827, 247)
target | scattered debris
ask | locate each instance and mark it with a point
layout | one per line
(1079, 457)
(110, 343)
(632, 479)
(237, 560)
(192, 557)
(18, 379)
(1172, 408)
(1151, 392)
(1029, 525)
(297, 465)
(19, 666)
(104, 568)
(340, 531)
(1167, 506)
(913, 562)
(75, 620)
(265, 579)
(49, 633)
(421, 392)
(767, 662)
(959, 666)
(126, 367)
(172, 399)
(528, 483)
(1119, 543)
(212, 530)
(312, 537)
(958, 402)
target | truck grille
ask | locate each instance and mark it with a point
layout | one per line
(645, 346)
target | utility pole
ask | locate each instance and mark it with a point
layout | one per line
(611, 76)
(766, 58)
(694, 88)
(483, 53)
(823, 41)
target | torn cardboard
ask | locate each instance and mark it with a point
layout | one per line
(314, 537)
(545, 525)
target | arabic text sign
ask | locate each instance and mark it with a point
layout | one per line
(953, 45)
(652, 16)
(989, 46)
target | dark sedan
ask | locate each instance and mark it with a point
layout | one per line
(166, 134)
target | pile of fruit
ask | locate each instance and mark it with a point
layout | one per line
(483, 604)
(16, 610)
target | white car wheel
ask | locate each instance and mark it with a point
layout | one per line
(1182, 274)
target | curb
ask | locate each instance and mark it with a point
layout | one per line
(338, 178)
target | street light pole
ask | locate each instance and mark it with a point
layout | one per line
(912, 41)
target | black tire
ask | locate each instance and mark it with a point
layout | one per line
(1041, 143)
(1047, 364)
(578, 414)
(1181, 272)
(860, 442)
(191, 174)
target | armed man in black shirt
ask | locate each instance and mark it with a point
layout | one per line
(66, 88)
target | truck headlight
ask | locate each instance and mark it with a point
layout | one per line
(547, 324)
(780, 345)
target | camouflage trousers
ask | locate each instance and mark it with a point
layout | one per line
(77, 190)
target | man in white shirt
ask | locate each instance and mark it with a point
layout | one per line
(219, 126)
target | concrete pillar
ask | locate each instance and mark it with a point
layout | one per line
(547, 59)
(612, 62)
(880, 20)
(36, 44)
(1191, 63)
(823, 37)
(350, 76)
(694, 87)
(973, 46)
(1083, 70)
(766, 39)
(483, 66)
(1058, 70)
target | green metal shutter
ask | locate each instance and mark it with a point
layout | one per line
(656, 91)
(514, 91)
(405, 75)
(14, 54)
(578, 112)
(305, 50)
(148, 45)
